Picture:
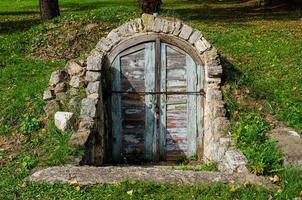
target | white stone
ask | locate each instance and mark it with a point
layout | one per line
(64, 120)
(48, 95)
(233, 161)
(294, 133)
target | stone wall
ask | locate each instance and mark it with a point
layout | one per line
(214, 141)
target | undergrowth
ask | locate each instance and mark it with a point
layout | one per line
(251, 136)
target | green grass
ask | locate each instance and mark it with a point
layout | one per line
(251, 137)
(198, 167)
(261, 51)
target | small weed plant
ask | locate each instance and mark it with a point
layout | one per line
(29, 124)
(251, 136)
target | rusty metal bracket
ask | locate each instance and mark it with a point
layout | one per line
(200, 92)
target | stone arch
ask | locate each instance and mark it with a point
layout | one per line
(215, 140)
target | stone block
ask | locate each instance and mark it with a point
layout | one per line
(61, 97)
(86, 123)
(64, 120)
(177, 28)
(51, 107)
(233, 161)
(186, 31)
(80, 137)
(74, 102)
(196, 35)
(219, 109)
(48, 95)
(137, 25)
(73, 68)
(104, 45)
(60, 87)
(94, 61)
(93, 76)
(220, 125)
(93, 88)
(148, 21)
(213, 94)
(75, 82)
(168, 27)
(214, 71)
(89, 108)
(114, 37)
(57, 77)
(126, 30)
(202, 45)
(158, 24)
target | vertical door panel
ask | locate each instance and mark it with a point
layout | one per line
(132, 116)
(176, 105)
(150, 100)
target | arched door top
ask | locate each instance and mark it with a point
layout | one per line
(212, 145)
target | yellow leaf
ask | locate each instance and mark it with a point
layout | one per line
(77, 188)
(130, 192)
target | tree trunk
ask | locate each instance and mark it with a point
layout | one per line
(264, 2)
(151, 6)
(49, 9)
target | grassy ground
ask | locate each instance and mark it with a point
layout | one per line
(261, 51)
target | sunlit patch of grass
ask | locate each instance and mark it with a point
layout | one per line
(198, 167)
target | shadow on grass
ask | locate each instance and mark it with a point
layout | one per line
(233, 11)
(17, 26)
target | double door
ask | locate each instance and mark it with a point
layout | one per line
(156, 111)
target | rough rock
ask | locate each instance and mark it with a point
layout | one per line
(202, 45)
(62, 97)
(195, 36)
(161, 174)
(75, 82)
(57, 77)
(89, 107)
(93, 76)
(290, 145)
(93, 87)
(48, 95)
(186, 31)
(51, 107)
(73, 68)
(233, 161)
(73, 102)
(94, 61)
(80, 137)
(60, 87)
(64, 120)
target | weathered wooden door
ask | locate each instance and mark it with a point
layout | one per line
(156, 107)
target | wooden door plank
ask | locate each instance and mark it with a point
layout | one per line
(150, 126)
(116, 111)
(200, 75)
(192, 107)
(163, 103)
